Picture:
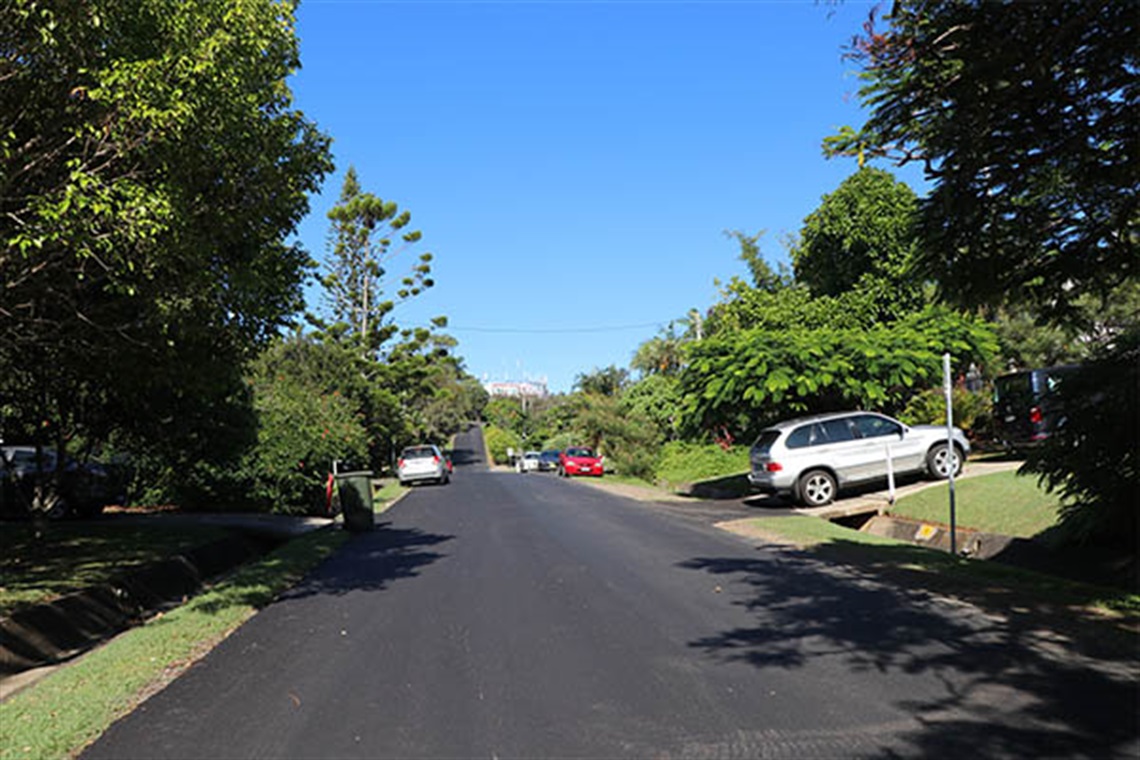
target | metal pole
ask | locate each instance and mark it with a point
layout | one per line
(951, 454)
(890, 477)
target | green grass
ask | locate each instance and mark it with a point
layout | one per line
(981, 581)
(1001, 503)
(38, 564)
(70, 708)
(384, 496)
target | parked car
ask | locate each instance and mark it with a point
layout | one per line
(423, 463)
(528, 462)
(580, 460)
(548, 460)
(1027, 405)
(82, 489)
(812, 458)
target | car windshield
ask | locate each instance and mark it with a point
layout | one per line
(530, 455)
(549, 455)
(579, 452)
(419, 452)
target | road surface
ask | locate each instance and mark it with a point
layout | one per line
(525, 616)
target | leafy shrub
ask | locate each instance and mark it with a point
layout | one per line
(972, 411)
(498, 441)
(305, 421)
(686, 462)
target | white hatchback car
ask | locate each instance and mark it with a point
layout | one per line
(528, 462)
(812, 458)
(420, 463)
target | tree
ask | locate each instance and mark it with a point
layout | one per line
(363, 230)
(306, 420)
(656, 399)
(603, 382)
(743, 380)
(763, 277)
(152, 168)
(662, 354)
(1024, 115)
(862, 237)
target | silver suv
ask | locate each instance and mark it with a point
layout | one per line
(812, 458)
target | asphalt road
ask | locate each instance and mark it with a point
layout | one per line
(526, 616)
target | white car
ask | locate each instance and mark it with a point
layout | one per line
(528, 462)
(423, 463)
(812, 458)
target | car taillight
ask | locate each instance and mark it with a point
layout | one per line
(1035, 415)
(774, 467)
(400, 463)
(435, 460)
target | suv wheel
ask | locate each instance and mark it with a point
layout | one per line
(817, 488)
(941, 458)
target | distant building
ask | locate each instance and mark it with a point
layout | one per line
(530, 388)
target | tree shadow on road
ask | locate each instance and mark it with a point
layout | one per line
(372, 562)
(999, 680)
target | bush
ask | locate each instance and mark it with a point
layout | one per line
(972, 411)
(686, 462)
(498, 441)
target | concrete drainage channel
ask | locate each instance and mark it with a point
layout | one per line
(970, 543)
(53, 633)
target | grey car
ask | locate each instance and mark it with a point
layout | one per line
(812, 458)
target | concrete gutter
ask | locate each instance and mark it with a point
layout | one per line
(34, 639)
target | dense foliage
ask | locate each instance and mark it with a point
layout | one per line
(862, 239)
(742, 381)
(152, 168)
(1024, 115)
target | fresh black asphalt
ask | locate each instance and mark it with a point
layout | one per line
(511, 616)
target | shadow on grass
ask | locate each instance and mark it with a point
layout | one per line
(1025, 680)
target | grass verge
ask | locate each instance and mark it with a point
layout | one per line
(387, 494)
(39, 564)
(978, 580)
(1002, 502)
(58, 716)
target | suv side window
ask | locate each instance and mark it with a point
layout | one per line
(800, 437)
(870, 426)
(837, 431)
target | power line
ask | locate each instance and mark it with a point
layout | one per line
(554, 330)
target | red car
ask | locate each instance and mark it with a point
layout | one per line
(579, 460)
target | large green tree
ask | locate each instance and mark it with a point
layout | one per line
(743, 380)
(1024, 117)
(152, 168)
(862, 237)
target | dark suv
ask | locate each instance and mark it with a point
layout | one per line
(1027, 405)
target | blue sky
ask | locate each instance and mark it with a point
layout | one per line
(573, 166)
